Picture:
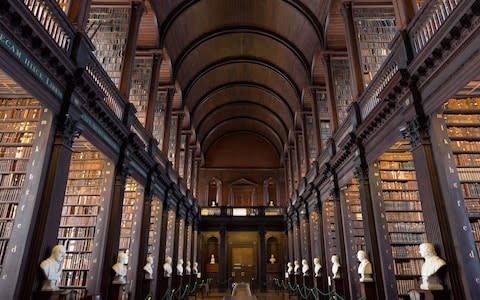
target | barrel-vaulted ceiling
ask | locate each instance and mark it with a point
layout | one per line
(241, 65)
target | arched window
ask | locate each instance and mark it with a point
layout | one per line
(214, 195)
(270, 192)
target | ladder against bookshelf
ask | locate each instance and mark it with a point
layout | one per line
(20, 122)
(81, 226)
(462, 119)
(403, 215)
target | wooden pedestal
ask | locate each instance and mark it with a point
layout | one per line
(115, 291)
(367, 289)
(52, 295)
(146, 287)
(338, 286)
(418, 294)
(308, 281)
(164, 285)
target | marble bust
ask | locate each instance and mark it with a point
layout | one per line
(167, 267)
(148, 268)
(335, 266)
(289, 268)
(272, 259)
(305, 267)
(188, 268)
(120, 268)
(296, 268)
(52, 268)
(430, 268)
(317, 267)
(212, 259)
(365, 267)
(180, 267)
(195, 268)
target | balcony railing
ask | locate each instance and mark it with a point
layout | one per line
(249, 211)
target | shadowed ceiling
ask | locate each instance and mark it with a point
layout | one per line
(242, 65)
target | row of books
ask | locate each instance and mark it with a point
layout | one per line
(469, 159)
(16, 102)
(20, 113)
(18, 126)
(406, 227)
(472, 205)
(396, 205)
(411, 267)
(410, 238)
(12, 180)
(8, 210)
(470, 132)
(476, 229)
(81, 200)
(400, 195)
(76, 232)
(406, 251)
(471, 189)
(398, 174)
(79, 210)
(78, 221)
(80, 260)
(395, 185)
(405, 285)
(396, 165)
(73, 278)
(6, 228)
(469, 174)
(462, 119)
(16, 152)
(81, 157)
(464, 103)
(89, 169)
(9, 195)
(82, 190)
(16, 137)
(75, 245)
(401, 216)
(13, 165)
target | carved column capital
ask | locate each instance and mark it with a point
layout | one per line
(416, 131)
(361, 173)
(68, 131)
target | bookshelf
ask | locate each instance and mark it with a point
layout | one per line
(107, 28)
(159, 118)
(403, 213)
(80, 229)
(462, 118)
(342, 86)
(20, 120)
(375, 29)
(330, 237)
(142, 73)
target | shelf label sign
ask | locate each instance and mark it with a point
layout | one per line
(7, 43)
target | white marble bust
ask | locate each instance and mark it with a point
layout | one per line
(365, 267)
(317, 267)
(195, 268)
(180, 267)
(52, 268)
(272, 259)
(433, 263)
(335, 266)
(212, 259)
(305, 267)
(296, 268)
(120, 268)
(188, 268)
(167, 267)
(148, 268)
(289, 268)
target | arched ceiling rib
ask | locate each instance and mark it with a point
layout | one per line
(245, 90)
(242, 124)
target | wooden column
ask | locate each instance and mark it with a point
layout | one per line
(78, 13)
(404, 13)
(332, 105)
(263, 259)
(369, 223)
(223, 260)
(352, 48)
(179, 116)
(152, 92)
(130, 48)
(446, 226)
(317, 233)
(316, 121)
(143, 242)
(339, 234)
(305, 233)
(187, 150)
(114, 220)
(297, 252)
(168, 117)
(286, 166)
(290, 241)
(195, 176)
(50, 208)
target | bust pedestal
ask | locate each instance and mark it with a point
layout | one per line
(419, 294)
(338, 285)
(367, 289)
(164, 284)
(115, 291)
(319, 283)
(308, 281)
(52, 295)
(177, 281)
(298, 279)
(146, 287)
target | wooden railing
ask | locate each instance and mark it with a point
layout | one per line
(138, 129)
(54, 20)
(112, 96)
(247, 211)
(428, 21)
